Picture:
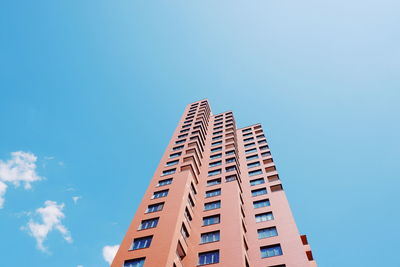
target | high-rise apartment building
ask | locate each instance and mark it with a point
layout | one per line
(215, 198)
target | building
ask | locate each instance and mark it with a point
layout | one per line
(215, 198)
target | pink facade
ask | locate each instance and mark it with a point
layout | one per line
(215, 199)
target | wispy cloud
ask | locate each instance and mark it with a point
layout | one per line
(20, 169)
(76, 198)
(109, 253)
(50, 215)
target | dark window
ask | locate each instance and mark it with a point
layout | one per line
(171, 163)
(213, 193)
(146, 224)
(210, 237)
(162, 193)
(216, 149)
(174, 155)
(214, 182)
(267, 232)
(251, 150)
(143, 242)
(257, 181)
(212, 205)
(256, 172)
(271, 251)
(215, 172)
(216, 156)
(164, 182)
(215, 163)
(263, 217)
(155, 207)
(167, 172)
(252, 157)
(211, 220)
(258, 192)
(209, 257)
(253, 164)
(134, 263)
(261, 203)
(177, 148)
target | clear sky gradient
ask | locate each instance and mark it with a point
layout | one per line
(95, 89)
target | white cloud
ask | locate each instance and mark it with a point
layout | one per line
(76, 198)
(109, 253)
(79, 266)
(20, 169)
(51, 215)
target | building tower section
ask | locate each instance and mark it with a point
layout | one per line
(215, 198)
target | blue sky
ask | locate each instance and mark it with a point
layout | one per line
(94, 90)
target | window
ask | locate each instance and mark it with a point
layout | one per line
(253, 164)
(260, 136)
(212, 205)
(263, 147)
(256, 172)
(228, 153)
(216, 149)
(252, 157)
(143, 242)
(266, 154)
(248, 139)
(257, 181)
(215, 172)
(180, 142)
(213, 182)
(246, 130)
(261, 203)
(164, 182)
(219, 132)
(230, 160)
(174, 155)
(258, 192)
(134, 263)
(216, 156)
(150, 223)
(249, 145)
(270, 251)
(211, 220)
(155, 207)
(247, 134)
(230, 168)
(209, 257)
(217, 138)
(262, 142)
(171, 163)
(187, 215)
(167, 172)
(184, 231)
(162, 193)
(215, 163)
(184, 131)
(213, 193)
(263, 217)
(210, 237)
(177, 148)
(216, 143)
(267, 232)
(230, 178)
(183, 135)
(187, 125)
(251, 150)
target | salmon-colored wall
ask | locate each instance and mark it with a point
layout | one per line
(192, 171)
